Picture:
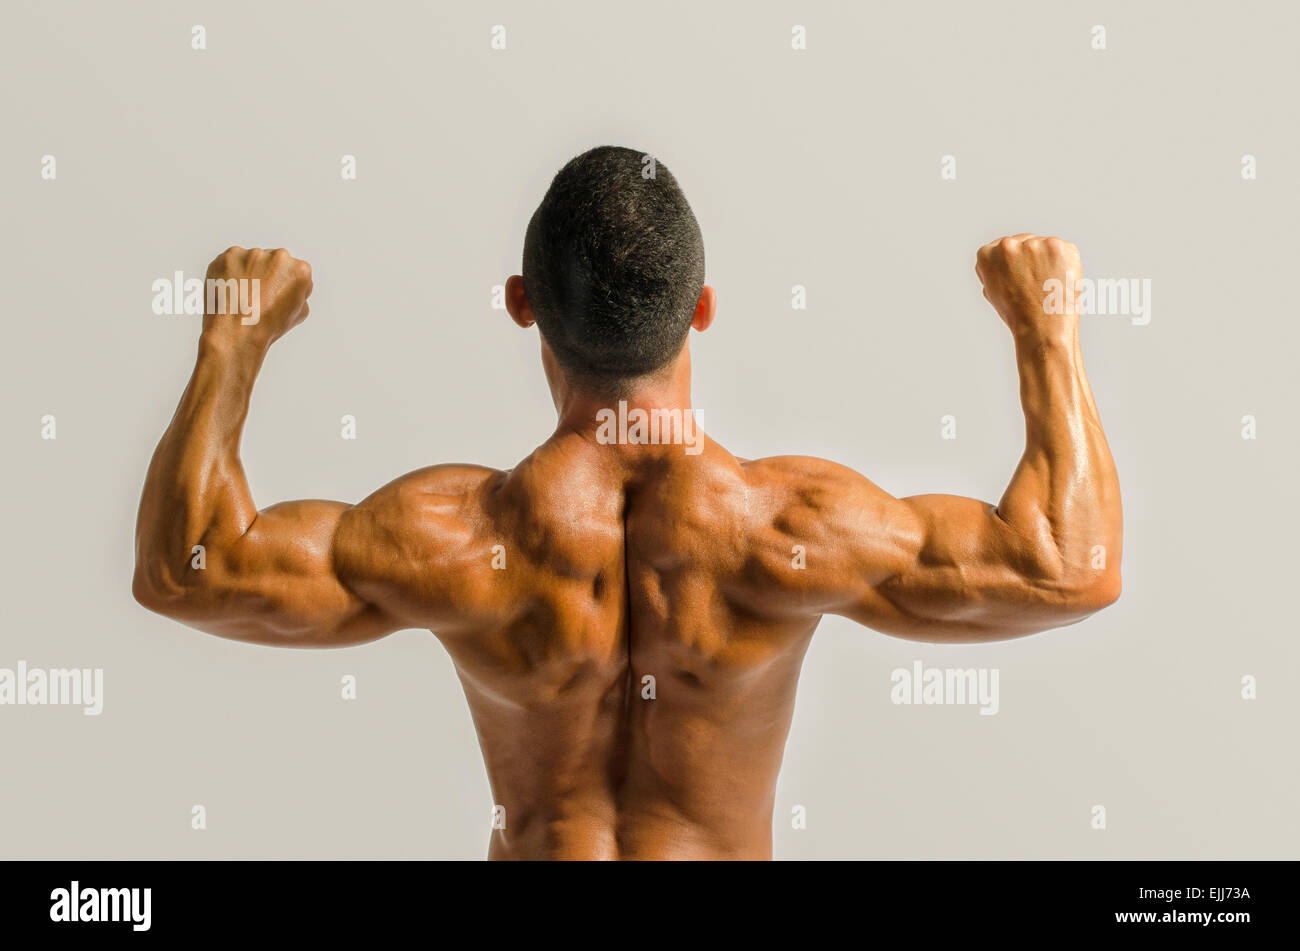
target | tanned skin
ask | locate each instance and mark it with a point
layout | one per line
(628, 561)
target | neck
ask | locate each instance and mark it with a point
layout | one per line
(666, 394)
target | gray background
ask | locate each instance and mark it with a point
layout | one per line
(819, 168)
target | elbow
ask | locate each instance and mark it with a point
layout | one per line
(1069, 593)
(1100, 589)
(148, 593)
(1104, 592)
(1069, 585)
(155, 590)
(196, 598)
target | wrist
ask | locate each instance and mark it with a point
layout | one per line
(231, 349)
(1060, 333)
(1035, 352)
(228, 338)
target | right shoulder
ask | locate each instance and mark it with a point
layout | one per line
(418, 538)
(445, 496)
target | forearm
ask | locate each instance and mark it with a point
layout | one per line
(196, 492)
(1064, 497)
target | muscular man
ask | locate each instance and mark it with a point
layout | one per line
(606, 558)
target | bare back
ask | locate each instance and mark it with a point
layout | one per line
(609, 617)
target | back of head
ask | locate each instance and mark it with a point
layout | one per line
(613, 266)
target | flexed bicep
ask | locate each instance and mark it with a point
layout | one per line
(963, 573)
(930, 567)
(277, 583)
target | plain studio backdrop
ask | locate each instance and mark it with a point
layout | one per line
(817, 167)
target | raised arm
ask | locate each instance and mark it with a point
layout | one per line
(939, 567)
(269, 577)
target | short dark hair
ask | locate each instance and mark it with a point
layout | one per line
(613, 266)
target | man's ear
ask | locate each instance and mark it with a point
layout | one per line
(704, 310)
(517, 302)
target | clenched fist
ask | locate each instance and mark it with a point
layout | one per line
(267, 299)
(1032, 282)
